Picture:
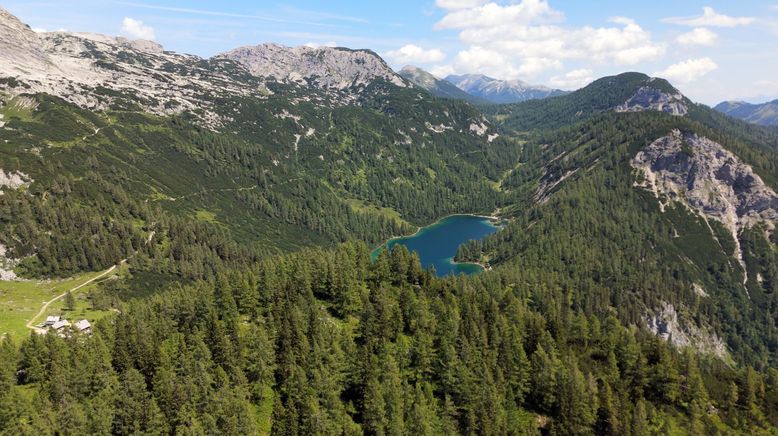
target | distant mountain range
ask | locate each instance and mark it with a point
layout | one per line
(477, 88)
(501, 91)
(765, 114)
(438, 87)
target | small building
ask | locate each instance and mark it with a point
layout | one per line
(51, 320)
(83, 326)
(61, 324)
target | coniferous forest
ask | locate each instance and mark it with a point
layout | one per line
(326, 342)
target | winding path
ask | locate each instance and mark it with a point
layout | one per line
(101, 275)
(48, 303)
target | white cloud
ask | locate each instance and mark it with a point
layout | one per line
(492, 14)
(133, 28)
(39, 30)
(441, 71)
(698, 36)
(411, 53)
(482, 60)
(312, 44)
(453, 5)
(688, 70)
(573, 79)
(711, 18)
(525, 39)
(534, 66)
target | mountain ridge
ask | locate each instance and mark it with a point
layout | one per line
(438, 87)
(501, 91)
(765, 114)
(328, 67)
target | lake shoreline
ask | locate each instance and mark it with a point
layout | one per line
(420, 228)
(446, 231)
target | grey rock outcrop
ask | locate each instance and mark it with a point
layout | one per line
(327, 67)
(668, 325)
(20, 46)
(96, 71)
(707, 178)
(648, 98)
(80, 67)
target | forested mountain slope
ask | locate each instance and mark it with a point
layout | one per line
(326, 342)
(666, 214)
(765, 113)
(280, 163)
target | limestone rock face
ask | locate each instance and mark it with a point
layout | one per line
(327, 67)
(707, 177)
(80, 67)
(98, 72)
(648, 98)
(20, 47)
(667, 324)
(710, 180)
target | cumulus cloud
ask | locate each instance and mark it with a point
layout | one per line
(711, 18)
(698, 36)
(574, 79)
(135, 29)
(526, 38)
(453, 5)
(530, 67)
(688, 70)
(412, 53)
(492, 14)
(441, 71)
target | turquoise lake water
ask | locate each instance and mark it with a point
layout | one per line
(437, 244)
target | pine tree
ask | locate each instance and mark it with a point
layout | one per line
(639, 424)
(70, 301)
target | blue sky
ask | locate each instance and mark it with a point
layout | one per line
(711, 50)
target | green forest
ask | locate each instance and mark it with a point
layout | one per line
(326, 342)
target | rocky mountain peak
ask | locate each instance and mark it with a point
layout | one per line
(501, 91)
(327, 67)
(656, 95)
(764, 113)
(20, 46)
(437, 87)
(419, 77)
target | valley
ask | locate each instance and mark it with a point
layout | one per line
(212, 219)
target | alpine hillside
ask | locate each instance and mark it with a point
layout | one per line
(438, 87)
(213, 220)
(764, 114)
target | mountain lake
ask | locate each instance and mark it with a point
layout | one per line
(437, 243)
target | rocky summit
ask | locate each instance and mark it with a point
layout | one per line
(99, 72)
(327, 67)
(654, 99)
